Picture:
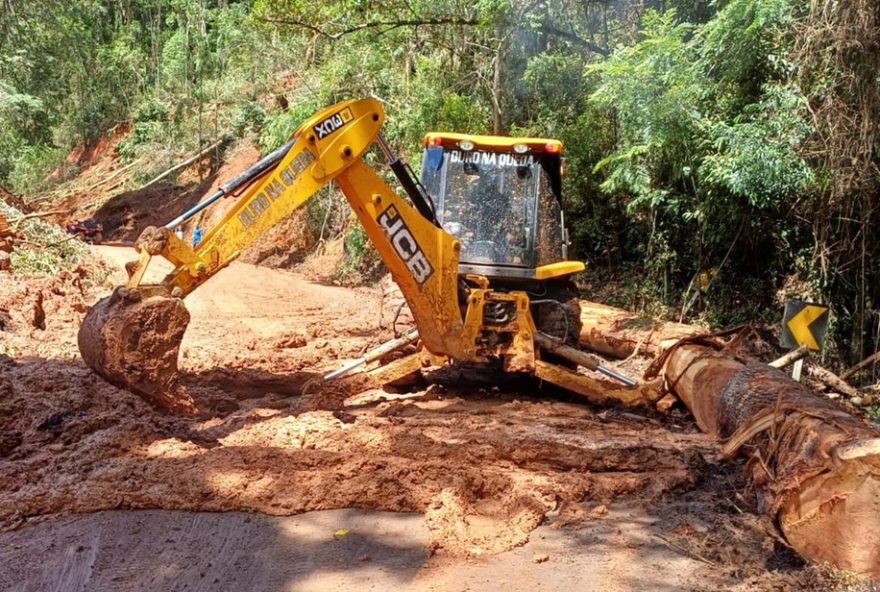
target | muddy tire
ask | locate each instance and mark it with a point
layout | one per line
(561, 318)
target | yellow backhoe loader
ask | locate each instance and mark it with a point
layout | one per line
(477, 246)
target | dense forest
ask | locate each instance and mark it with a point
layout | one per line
(722, 155)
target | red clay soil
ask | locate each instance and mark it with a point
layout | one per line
(484, 470)
(125, 215)
(83, 174)
(92, 152)
(484, 461)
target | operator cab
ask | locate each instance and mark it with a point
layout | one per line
(502, 198)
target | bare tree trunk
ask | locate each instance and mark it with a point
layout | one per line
(497, 124)
(812, 465)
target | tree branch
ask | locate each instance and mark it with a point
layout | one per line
(550, 29)
(416, 22)
(873, 358)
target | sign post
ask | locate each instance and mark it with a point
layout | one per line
(803, 323)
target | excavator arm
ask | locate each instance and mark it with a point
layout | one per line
(132, 338)
(421, 256)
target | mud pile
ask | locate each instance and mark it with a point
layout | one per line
(41, 314)
(483, 467)
(483, 470)
(132, 338)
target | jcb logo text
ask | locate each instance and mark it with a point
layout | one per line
(405, 245)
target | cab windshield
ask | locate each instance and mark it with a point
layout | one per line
(487, 200)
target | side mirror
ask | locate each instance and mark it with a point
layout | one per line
(563, 167)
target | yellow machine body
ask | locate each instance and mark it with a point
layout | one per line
(460, 316)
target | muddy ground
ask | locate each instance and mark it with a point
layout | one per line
(467, 483)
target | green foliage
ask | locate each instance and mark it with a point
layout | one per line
(705, 135)
(755, 157)
(31, 164)
(654, 92)
(48, 249)
(251, 118)
(25, 137)
(708, 135)
(279, 125)
(361, 261)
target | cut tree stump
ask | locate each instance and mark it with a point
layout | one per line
(813, 465)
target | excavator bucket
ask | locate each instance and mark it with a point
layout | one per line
(132, 338)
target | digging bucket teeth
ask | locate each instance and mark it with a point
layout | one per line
(132, 338)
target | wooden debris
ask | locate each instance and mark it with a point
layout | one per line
(597, 391)
(20, 219)
(686, 551)
(812, 464)
(791, 357)
(872, 359)
(214, 145)
(7, 235)
(620, 334)
(831, 380)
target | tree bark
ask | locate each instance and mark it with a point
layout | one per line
(620, 333)
(814, 466)
(831, 380)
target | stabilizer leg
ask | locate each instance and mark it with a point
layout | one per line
(600, 392)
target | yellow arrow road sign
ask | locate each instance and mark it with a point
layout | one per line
(804, 324)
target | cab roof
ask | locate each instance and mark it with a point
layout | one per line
(494, 143)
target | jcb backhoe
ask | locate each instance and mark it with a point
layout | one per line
(477, 246)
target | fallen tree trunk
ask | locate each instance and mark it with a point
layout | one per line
(872, 359)
(831, 380)
(187, 162)
(620, 333)
(812, 464)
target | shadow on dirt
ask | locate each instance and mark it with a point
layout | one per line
(244, 384)
(154, 550)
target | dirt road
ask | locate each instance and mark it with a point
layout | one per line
(455, 486)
